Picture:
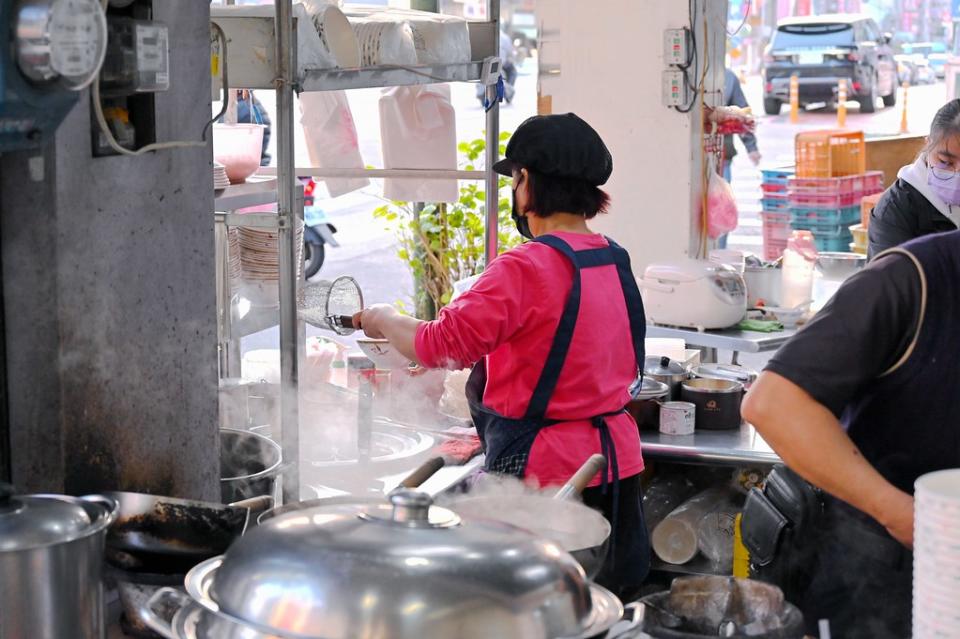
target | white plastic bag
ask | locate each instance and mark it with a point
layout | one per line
(722, 215)
(331, 138)
(418, 129)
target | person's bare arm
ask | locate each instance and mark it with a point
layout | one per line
(811, 441)
(384, 322)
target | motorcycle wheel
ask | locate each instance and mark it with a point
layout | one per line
(313, 255)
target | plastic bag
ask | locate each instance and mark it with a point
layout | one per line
(418, 128)
(722, 215)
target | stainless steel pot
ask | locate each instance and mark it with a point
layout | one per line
(668, 372)
(398, 571)
(51, 559)
(250, 465)
(734, 372)
(644, 405)
(717, 402)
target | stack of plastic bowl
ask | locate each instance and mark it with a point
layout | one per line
(936, 558)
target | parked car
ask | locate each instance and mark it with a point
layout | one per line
(824, 50)
(935, 53)
(925, 73)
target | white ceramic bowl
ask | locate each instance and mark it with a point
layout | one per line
(789, 317)
(383, 354)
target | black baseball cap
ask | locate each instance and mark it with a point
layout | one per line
(558, 146)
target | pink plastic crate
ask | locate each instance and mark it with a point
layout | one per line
(824, 201)
(826, 186)
(772, 250)
(773, 188)
(872, 182)
(776, 230)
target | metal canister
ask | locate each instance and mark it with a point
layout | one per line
(51, 558)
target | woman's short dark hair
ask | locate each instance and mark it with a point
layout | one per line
(946, 123)
(549, 195)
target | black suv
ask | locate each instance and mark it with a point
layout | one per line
(823, 50)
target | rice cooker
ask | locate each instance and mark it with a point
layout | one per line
(694, 294)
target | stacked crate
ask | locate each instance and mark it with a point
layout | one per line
(829, 206)
(775, 211)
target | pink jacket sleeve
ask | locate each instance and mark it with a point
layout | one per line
(481, 319)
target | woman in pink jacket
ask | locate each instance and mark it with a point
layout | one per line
(554, 330)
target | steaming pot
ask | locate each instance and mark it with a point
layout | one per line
(51, 557)
(404, 570)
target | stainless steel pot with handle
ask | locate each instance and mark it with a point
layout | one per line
(404, 570)
(51, 560)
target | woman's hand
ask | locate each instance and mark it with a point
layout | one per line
(371, 320)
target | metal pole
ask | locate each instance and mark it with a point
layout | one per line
(287, 234)
(491, 245)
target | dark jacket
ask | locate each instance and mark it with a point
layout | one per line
(903, 214)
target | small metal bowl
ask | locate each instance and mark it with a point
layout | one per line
(840, 266)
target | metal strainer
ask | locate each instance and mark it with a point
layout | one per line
(323, 304)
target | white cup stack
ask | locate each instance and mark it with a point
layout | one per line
(936, 556)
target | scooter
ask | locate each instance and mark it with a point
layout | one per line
(317, 231)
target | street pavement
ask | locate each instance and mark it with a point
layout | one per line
(368, 249)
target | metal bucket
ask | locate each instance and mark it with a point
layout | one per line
(249, 465)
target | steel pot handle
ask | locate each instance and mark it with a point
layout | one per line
(626, 627)
(153, 612)
(110, 504)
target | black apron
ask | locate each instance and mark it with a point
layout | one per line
(507, 441)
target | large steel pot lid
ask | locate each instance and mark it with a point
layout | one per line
(649, 388)
(399, 571)
(35, 521)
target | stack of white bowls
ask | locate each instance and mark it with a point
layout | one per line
(936, 556)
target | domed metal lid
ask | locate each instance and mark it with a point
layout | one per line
(662, 366)
(33, 521)
(648, 388)
(406, 569)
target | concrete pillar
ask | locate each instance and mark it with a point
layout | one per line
(109, 299)
(617, 53)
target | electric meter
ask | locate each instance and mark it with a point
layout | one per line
(60, 41)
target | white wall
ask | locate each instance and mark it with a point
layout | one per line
(603, 60)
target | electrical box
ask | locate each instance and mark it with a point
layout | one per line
(138, 59)
(674, 89)
(54, 48)
(676, 47)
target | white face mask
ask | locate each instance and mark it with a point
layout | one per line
(945, 183)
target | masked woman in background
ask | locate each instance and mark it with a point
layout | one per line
(925, 198)
(555, 331)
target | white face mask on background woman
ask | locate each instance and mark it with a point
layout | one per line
(945, 183)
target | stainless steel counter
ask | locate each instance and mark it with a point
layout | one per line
(727, 340)
(744, 446)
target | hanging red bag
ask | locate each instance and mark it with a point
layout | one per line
(722, 215)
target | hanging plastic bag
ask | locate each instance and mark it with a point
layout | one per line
(331, 138)
(418, 129)
(722, 215)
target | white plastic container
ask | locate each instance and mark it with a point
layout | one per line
(799, 260)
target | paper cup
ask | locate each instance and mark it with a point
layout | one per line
(677, 418)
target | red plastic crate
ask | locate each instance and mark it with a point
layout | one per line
(826, 186)
(773, 250)
(776, 232)
(824, 201)
(872, 182)
(773, 188)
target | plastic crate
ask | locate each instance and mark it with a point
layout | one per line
(772, 251)
(872, 182)
(776, 226)
(769, 187)
(777, 176)
(849, 184)
(823, 230)
(867, 203)
(830, 153)
(774, 202)
(831, 244)
(824, 201)
(831, 217)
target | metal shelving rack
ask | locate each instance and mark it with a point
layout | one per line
(286, 78)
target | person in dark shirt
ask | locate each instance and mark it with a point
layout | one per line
(925, 198)
(861, 402)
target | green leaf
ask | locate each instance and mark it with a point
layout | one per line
(504, 136)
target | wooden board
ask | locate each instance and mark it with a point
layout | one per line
(889, 154)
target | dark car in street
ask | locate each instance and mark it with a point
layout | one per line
(824, 50)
